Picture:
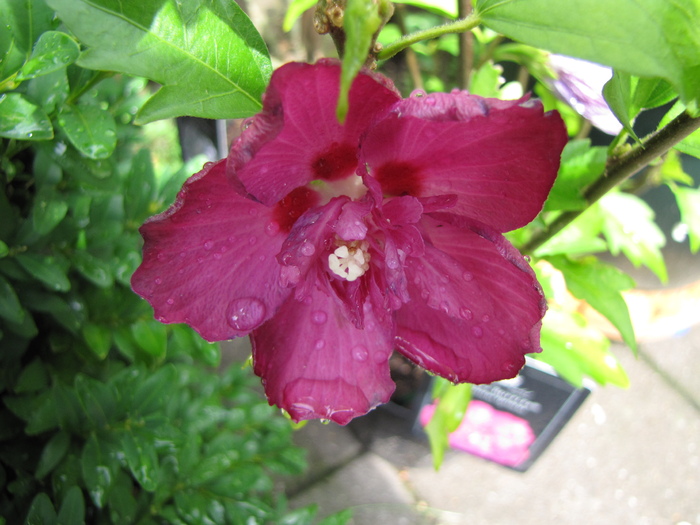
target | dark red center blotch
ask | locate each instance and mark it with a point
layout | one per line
(293, 206)
(337, 162)
(399, 178)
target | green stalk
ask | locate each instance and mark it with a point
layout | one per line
(619, 169)
(458, 26)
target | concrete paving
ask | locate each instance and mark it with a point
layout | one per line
(627, 457)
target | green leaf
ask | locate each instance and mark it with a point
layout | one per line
(447, 8)
(207, 55)
(150, 394)
(41, 511)
(140, 187)
(295, 10)
(449, 411)
(98, 339)
(10, 307)
(688, 200)
(54, 50)
(34, 377)
(50, 90)
(98, 470)
(97, 400)
(22, 120)
(92, 268)
(646, 38)
(361, 21)
(600, 284)
(23, 22)
(629, 227)
(576, 350)
(580, 165)
(141, 457)
(48, 211)
(53, 453)
(90, 129)
(46, 270)
(151, 337)
(627, 95)
(73, 508)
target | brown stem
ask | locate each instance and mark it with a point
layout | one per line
(619, 169)
(466, 47)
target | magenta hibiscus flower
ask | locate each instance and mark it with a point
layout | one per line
(333, 245)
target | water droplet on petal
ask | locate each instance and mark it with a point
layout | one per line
(485, 318)
(319, 317)
(307, 249)
(418, 93)
(510, 367)
(467, 276)
(320, 343)
(170, 301)
(208, 245)
(430, 101)
(252, 240)
(158, 280)
(466, 313)
(478, 332)
(272, 228)
(245, 314)
(360, 353)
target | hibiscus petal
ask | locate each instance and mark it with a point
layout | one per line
(499, 157)
(475, 307)
(297, 137)
(315, 364)
(209, 260)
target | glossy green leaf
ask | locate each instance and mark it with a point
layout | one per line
(50, 90)
(54, 50)
(72, 510)
(98, 470)
(98, 339)
(23, 120)
(54, 451)
(92, 268)
(150, 394)
(48, 211)
(41, 511)
(22, 22)
(90, 129)
(4, 249)
(97, 400)
(45, 269)
(629, 227)
(576, 351)
(140, 187)
(449, 412)
(207, 55)
(294, 11)
(580, 165)
(361, 21)
(122, 504)
(647, 38)
(447, 8)
(140, 454)
(151, 337)
(600, 284)
(10, 307)
(688, 200)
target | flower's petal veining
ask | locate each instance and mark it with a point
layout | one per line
(297, 137)
(499, 157)
(317, 364)
(475, 306)
(209, 260)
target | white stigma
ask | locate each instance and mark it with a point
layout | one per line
(349, 261)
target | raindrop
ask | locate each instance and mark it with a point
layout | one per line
(320, 343)
(466, 313)
(510, 367)
(307, 249)
(217, 256)
(418, 93)
(170, 301)
(485, 318)
(158, 280)
(252, 240)
(319, 317)
(478, 332)
(208, 245)
(360, 353)
(430, 101)
(245, 314)
(467, 276)
(272, 228)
